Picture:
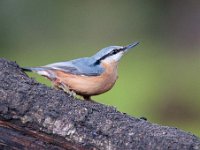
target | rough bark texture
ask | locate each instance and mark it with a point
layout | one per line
(42, 117)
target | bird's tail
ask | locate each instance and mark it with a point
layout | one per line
(33, 69)
(44, 71)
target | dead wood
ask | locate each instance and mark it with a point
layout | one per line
(34, 116)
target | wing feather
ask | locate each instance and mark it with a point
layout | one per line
(82, 66)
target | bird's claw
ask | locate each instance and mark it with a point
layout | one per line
(66, 89)
(71, 94)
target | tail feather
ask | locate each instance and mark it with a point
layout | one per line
(33, 69)
(40, 70)
(28, 69)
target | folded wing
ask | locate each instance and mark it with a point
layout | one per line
(83, 66)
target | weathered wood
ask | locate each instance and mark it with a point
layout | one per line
(34, 116)
(17, 137)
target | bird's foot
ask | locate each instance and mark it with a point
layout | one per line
(88, 98)
(66, 89)
(71, 93)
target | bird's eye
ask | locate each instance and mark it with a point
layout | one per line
(115, 51)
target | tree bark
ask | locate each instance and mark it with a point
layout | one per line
(34, 116)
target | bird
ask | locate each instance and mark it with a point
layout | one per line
(87, 76)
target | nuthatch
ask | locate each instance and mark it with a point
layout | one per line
(86, 76)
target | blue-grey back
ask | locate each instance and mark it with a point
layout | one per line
(82, 66)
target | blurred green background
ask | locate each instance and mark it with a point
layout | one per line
(159, 79)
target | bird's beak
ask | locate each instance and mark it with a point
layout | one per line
(126, 48)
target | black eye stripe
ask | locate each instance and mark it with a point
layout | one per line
(115, 51)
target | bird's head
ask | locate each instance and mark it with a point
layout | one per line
(112, 53)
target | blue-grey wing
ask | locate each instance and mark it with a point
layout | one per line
(82, 66)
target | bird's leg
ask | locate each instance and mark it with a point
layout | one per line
(67, 90)
(88, 98)
(72, 93)
(60, 85)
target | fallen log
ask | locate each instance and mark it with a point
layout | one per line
(34, 116)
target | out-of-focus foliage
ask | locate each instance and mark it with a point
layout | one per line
(159, 79)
